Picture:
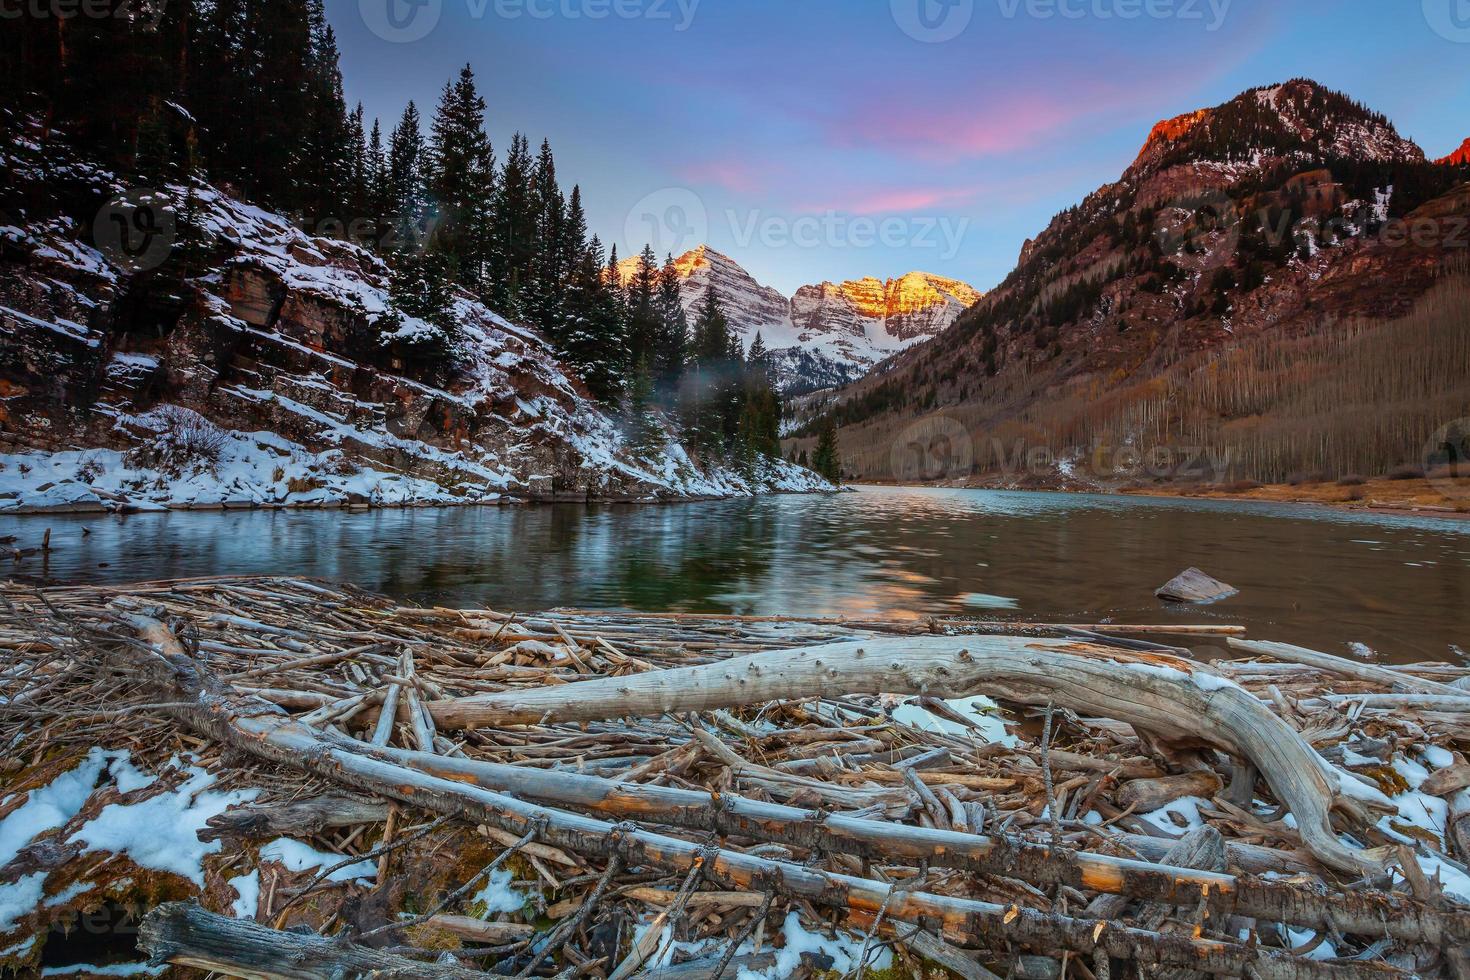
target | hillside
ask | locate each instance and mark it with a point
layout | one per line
(250, 364)
(827, 334)
(1290, 212)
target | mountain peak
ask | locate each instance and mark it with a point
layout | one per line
(1299, 117)
(1460, 158)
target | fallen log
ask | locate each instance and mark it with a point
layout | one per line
(1148, 795)
(1171, 698)
(1363, 913)
(203, 703)
(302, 818)
(183, 934)
(1393, 679)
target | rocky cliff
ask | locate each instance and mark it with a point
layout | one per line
(232, 360)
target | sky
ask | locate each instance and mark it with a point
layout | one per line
(824, 140)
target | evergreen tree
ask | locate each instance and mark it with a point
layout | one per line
(760, 419)
(672, 348)
(405, 180)
(514, 232)
(322, 157)
(645, 434)
(376, 185)
(460, 171)
(825, 460)
(710, 381)
(548, 269)
(421, 288)
(592, 336)
(644, 321)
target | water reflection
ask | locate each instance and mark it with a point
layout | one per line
(1322, 578)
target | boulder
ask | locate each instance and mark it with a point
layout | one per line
(1193, 585)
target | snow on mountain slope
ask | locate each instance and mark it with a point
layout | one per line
(261, 372)
(827, 334)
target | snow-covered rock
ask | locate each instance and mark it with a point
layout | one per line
(273, 348)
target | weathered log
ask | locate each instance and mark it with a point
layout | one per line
(302, 818)
(1148, 795)
(1393, 679)
(480, 931)
(256, 729)
(1169, 697)
(183, 934)
(1365, 913)
(1447, 781)
(1458, 831)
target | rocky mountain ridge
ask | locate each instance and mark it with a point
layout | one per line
(827, 334)
(1285, 210)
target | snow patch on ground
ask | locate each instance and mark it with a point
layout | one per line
(497, 895)
(982, 711)
(162, 832)
(296, 856)
(247, 895)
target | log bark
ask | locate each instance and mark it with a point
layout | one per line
(183, 934)
(302, 818)
(1170, 698)
(1392, 679)
(1148, 795)
(1364, 913)
(256, 729)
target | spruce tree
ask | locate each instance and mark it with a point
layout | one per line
(375, 179)
(405, 180)
(672, 348)
(592, 340)
(645, 434)
(514, 231)
(460, 180)
(548, 269)
(644, 321)
(825, 460)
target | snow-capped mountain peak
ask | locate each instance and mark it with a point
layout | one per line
(828, 333)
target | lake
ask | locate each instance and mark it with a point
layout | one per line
(1318, 577)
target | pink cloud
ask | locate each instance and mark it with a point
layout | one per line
(739, 176)
(895, 200)
(962, 131)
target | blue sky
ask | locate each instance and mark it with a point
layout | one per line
(833, 139)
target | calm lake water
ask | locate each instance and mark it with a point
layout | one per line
(1318, 577)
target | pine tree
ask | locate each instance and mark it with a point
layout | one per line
(825, 460)
(421, 288)
(514, 233)
(548, 269)
(760, 420)
(672, 348)
(592, 339)
(405, 180)
(322, 162)
(460, 171)
(645, 434)
(359, 223)
(710, 382)
(644, 322)
(376, 185)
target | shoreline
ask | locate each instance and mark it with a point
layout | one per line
(1410, 498)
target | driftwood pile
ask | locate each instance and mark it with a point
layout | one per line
(675, 788)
